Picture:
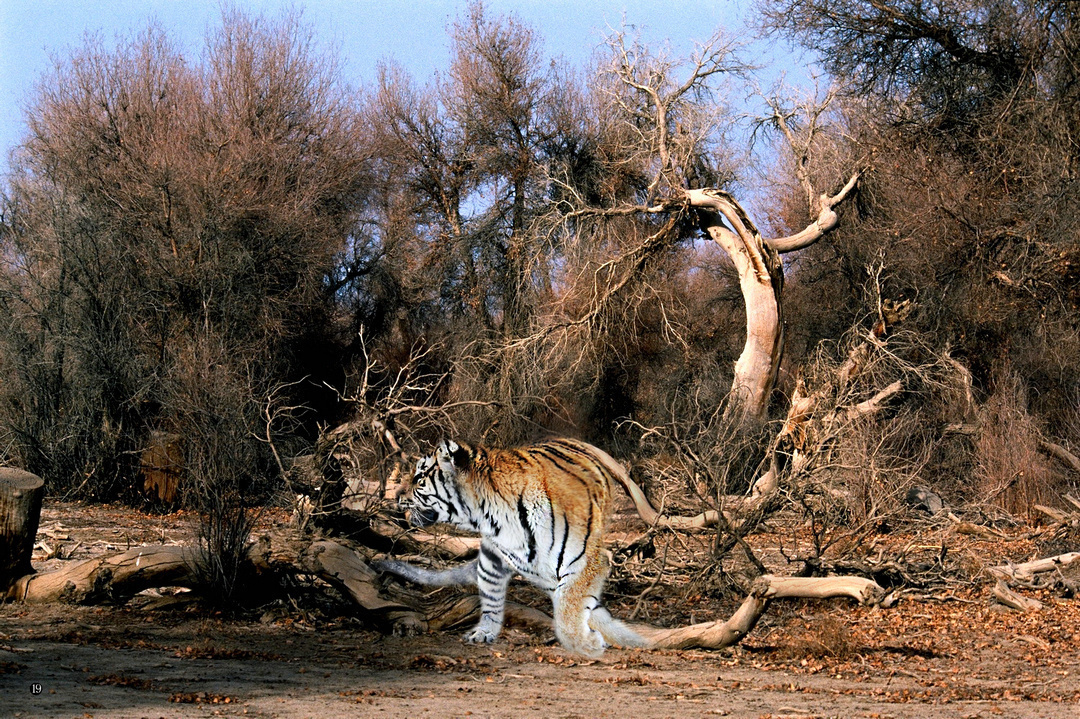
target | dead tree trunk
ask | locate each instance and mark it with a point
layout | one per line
(20, 509)
(761, 279)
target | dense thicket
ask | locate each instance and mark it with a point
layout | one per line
(168, 230)
(192, 246)
(969, 112)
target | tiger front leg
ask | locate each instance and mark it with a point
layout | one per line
(492, 578)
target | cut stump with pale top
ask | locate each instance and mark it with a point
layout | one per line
(20, 509)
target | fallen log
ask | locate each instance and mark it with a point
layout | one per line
(762, 491)
(1072, 500)
(711, 635)
(350, 574)
(113, 577)
(118, 577)
(1026, 572)
(347, 570)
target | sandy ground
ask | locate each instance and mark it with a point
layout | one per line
(114, 663)
(958, 656)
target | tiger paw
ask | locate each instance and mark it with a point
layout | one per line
(593, 645)
(480, 635)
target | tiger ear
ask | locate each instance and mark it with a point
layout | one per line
(451, 451)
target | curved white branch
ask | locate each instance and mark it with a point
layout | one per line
(825, 222)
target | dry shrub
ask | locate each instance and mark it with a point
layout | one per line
(156, 198)
(702, 454)
(876, 461)
(228, 470)
(826, 636)
(1010, 471)
(861, 466)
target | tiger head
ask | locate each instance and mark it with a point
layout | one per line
(436, 496)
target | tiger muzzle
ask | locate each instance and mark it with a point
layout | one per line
(422, 517)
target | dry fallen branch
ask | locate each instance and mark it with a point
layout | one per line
(1013, 600)
(415, 541)
(1026, 572)
(1055, 515)
(1061, 454)
(110, 577)
(720, 634)
(976, 530)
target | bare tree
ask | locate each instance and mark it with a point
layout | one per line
(665, 122)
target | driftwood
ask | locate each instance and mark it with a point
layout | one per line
(20, 508)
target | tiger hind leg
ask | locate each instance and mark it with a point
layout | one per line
(575, 600)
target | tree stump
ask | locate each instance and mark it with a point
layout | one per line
(20, 509)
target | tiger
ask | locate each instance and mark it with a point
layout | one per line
(541, 511)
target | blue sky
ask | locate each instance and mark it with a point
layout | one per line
(32, 32)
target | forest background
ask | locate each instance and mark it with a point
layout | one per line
(230, 254)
